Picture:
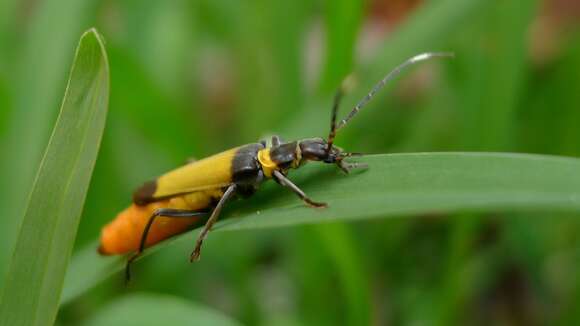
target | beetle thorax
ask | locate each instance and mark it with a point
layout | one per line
(316, 149)
(281, 158)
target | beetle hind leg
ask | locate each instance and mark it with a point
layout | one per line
(166, 212)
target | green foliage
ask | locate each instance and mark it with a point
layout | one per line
(46, 235)
(155, 309)
(35, 62)
(486, 236)
(395, 185)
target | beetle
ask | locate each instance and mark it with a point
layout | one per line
(181, 199)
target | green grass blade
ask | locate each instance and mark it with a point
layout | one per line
(394, 185)
(422, 183)
(48, 229)
(156, 309)
(36, 56)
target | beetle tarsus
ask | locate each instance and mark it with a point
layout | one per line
(195, 254)
(128, 267)
(281, 179)
(314, 204)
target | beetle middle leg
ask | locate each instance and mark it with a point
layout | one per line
(166, 212)
(230, 191)
(281, 179)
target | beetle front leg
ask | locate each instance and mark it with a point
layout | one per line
(281, 179)
(347, 167)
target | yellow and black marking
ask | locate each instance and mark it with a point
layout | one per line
(213, 172)
(183, 198)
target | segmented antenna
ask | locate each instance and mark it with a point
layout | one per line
(394, 73)
(333, 117)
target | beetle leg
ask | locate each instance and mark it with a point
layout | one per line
(281, 179)
(212, 219)
(276, 141)
(167, 212)
(347, 167)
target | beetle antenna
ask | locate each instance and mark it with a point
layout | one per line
(336, 103)
(394, 73)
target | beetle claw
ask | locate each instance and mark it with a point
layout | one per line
(314, 204)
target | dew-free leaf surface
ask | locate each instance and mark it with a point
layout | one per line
(157, 309)
(395, 185)
(47, 233)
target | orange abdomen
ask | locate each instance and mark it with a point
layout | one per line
(123, 234)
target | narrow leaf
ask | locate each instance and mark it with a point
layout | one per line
(48, 229)
(36, 55)
(154, 309)
(394, 185)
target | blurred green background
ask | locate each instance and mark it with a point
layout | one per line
(190, 78)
